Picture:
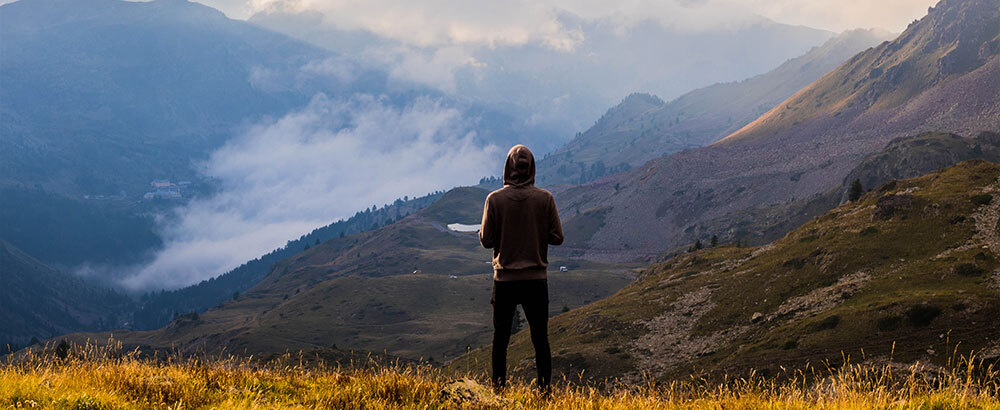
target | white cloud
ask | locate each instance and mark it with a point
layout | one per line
(433, 67)
(286, 177)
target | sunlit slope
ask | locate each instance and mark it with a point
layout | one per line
(956, 38)
(910, 266)
(413, 289)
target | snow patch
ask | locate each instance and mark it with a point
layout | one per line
(464, 227)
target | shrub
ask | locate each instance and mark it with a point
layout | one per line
(968, 269)
(889, 323)
(828, 323)
(871, 230)
(922, 315)
(855, 191)
(982, 199)
(796, 263)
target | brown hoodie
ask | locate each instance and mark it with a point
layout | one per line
(520, 221)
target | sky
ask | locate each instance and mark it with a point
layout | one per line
(437, 22)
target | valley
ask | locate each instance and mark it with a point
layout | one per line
(840, 208)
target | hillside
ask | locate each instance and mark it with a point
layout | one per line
(665, 203)
(40, 302)
(643, 127)
(907, 273)
(360, 291)
(156, 309)
(902, 158)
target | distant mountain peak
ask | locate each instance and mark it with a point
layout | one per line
(641, 98)
(956, 37)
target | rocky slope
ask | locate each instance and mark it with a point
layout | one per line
(643, 127)
(787, 157)
(907, 273)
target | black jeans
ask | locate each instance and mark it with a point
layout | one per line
(533, 296)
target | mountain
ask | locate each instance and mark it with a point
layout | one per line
(66, 232)
(111, 95)
(940, 61)
(665, 203)
(414, 288)
(40, 302)
(906, 273)
(562, 89)
(98, 98)
(642, 127)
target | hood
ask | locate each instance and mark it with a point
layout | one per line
(519, 171)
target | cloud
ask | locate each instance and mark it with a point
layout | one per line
(285, 177)
(839, 15)
(432, 67)
(518, 22)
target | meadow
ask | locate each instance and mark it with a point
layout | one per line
(106, 377)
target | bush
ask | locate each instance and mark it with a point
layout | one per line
(982, 199)
(968, 269)
(889, 323)
(871, 230)
(922, 315)
(828, 323)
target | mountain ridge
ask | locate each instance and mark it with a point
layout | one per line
(632, 133)
(663, 204)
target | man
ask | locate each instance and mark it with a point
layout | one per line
(520, 221)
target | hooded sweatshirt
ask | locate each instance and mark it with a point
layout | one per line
(520, 221)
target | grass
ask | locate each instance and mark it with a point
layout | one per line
(106, 377)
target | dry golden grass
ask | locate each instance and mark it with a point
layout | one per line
(92, 377)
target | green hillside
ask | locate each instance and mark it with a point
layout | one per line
(907, 273)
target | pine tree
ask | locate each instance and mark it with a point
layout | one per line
(515, 325)
(715, 241)
(854, 193)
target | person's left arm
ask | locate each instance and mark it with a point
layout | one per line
(555, 226)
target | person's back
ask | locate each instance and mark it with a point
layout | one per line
(520, 221)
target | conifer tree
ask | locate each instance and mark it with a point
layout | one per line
(854, 193)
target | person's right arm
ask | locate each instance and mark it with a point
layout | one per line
(487, 232)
